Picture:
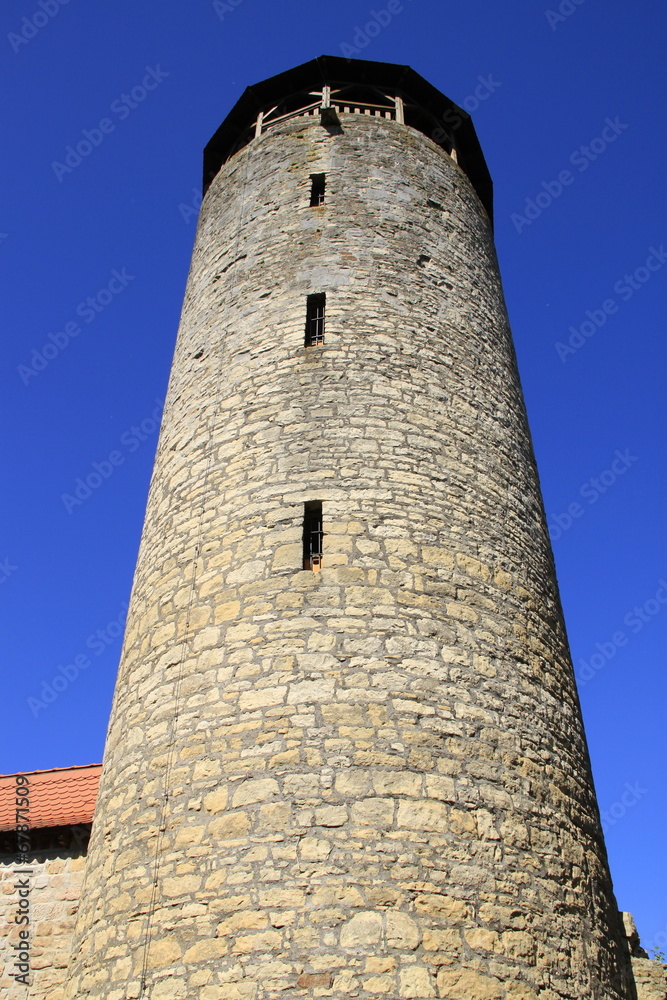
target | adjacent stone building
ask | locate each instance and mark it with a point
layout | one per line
(346, 757)
(45, 870)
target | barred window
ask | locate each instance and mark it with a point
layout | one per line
(315, 320)
(312, 535)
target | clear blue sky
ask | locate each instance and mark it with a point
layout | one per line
(581, 91)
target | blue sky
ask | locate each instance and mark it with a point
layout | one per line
(568, 99)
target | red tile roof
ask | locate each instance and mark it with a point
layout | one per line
(62, 796)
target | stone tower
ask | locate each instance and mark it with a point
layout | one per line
(346, 757)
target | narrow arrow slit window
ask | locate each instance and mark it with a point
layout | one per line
(315, 320)
(318, 182)
(312, 535)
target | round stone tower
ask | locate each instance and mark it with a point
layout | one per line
(346, 757)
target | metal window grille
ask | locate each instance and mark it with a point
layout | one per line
(315, 320)
(312, 535)
(317, 189)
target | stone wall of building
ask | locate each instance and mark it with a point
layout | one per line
(650, 978)
(370, 781)
(55, 888)
(650, 975)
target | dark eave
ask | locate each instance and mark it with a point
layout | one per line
(430, 117)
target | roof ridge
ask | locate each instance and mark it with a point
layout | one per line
(49, 770)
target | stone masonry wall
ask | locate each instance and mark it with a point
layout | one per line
(649, 974)
(370, 781)
(650, 978)
(55, 887)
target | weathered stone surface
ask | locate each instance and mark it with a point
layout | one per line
(362, 931)
(255, 791)
(309, 980)
(467, 984)
(54, 887)
(402, 931)
(650, 975)
(416, 982)
(383, 761)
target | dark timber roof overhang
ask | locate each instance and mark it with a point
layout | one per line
(329, 85)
